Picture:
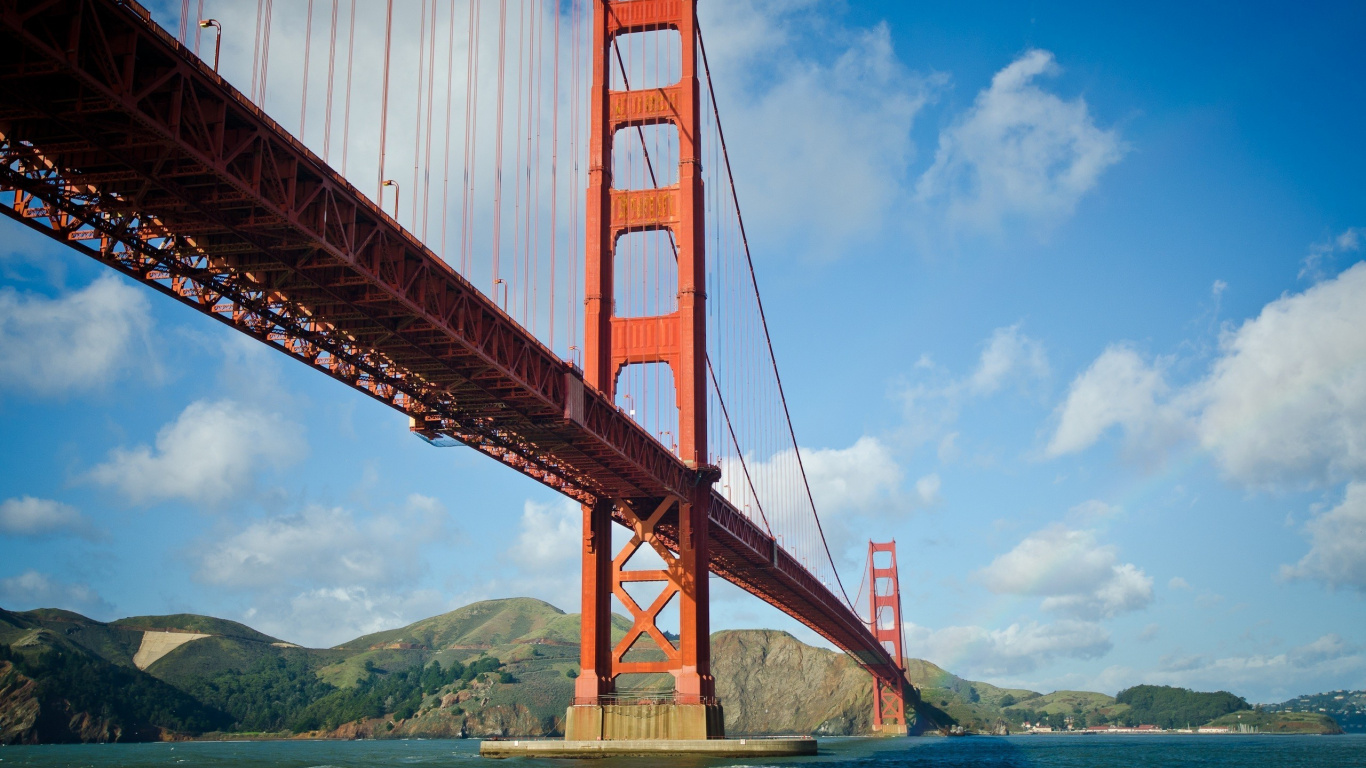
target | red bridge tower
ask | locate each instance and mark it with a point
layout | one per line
(677, 339)
(884, 603)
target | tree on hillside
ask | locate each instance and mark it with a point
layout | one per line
(1176, 707)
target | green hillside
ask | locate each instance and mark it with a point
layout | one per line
(113, 644)
(1278, 722)
(494, 668)
(189, 622)
(479, 625)
(53, 690)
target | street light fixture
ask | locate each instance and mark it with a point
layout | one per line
(217, 40)
(397, 190)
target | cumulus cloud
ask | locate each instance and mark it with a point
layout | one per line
(545, 554)
(818, 118)
(1019, 151)
(1018, 649)
(1118, 389)
(207, 455)
(1009, 358)
(1008, 354)
(324, 575)
(927, 489)
(28, 516)
(1322, 664)
(325, 547)
(1337, 553)
(324, 617)
(1285, 403)
(75, 342)
(1317, 262)
(32, 589)
(1075, 574)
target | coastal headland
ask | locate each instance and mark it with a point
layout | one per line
(497, 669)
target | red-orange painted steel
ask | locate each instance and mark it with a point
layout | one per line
(884, 602)
(677, 339)
(120, 143)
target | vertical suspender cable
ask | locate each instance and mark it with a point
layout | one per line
(471, 136)
(509, 288)
(498, 151)
(417, 122)
(431, 107)
(763, 320)
(199, 16)
(331, 78)
(533, 122)
(184, 21)
(346, 111)
(384, 96)
(446, 171)
(554, 162)
(308, 49)
(256, 49)
(265, 52)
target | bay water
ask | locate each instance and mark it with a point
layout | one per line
(972, 751)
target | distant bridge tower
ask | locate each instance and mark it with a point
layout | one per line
(676, 339)
(884, 603)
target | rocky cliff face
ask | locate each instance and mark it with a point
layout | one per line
(25, 718)
(769, 683)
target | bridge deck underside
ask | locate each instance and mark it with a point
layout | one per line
(121, 144)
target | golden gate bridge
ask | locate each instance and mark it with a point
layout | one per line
(618, 353)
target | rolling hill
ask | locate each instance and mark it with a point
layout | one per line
(493, 668)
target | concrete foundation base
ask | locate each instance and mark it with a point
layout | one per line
(649, 748)
(890, 729)
(616, 722)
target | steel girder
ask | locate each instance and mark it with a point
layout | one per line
(117, 141)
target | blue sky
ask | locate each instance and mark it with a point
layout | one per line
(1067, 300)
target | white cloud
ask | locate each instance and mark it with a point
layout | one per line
(1283, 404)
(1008, 357)
(545, 555)
(29, 516)
(1177, 582)
(32, 589)
(1017, 649)
(1317, 262)
(1019, 151)
(1092, 510)
(76, 342)
(549, 537)
(326, 574)
(324, 617)
(818, 118)
(1286, 401)
(1008, 353)
(1119, 389)
(1327, 663)
(927, 489)
(206, 456)
(860, 478)
(1074, 574)
(325, 547)
(1337, 554)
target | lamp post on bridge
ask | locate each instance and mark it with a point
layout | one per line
(217, 40)
(397, 189)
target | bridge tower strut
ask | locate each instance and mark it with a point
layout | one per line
(884, 603)
(677, 339)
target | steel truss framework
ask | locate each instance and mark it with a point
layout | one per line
(118, 142)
